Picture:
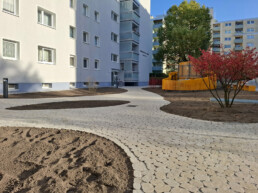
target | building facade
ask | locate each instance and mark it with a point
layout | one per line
(51, 45)
(235, 35)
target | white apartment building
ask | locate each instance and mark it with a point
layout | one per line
(235, 35)
(57, 45)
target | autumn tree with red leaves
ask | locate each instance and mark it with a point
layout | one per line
(232, 70)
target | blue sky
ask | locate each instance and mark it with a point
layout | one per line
(224, 9)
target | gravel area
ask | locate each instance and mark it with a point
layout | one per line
(169, 153)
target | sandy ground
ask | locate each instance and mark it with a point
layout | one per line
(70, 105)
(69, 93)
(197, 105)
(61, 161)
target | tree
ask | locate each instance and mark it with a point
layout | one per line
(186, 30)
(232, 71)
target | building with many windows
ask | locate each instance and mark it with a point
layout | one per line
(51, 45)
(235, 35)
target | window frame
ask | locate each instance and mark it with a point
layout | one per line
(250, 37)
(74, 60)
(113, 56)
(87, 37)
(16, 50)
(114, 14)
(74, 32)
(42, 22)
(97, 43)
(112, 37)
(86, 10)
(53, 55)
(88, 62)
(96, 19)
(98, 62)
(16, 8)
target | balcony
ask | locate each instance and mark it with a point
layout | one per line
(154, 51)
(240, 26)
(216, 28)
(130, 36)
(238, 33)
(130, 16)
(216, 35)
(129, 56)
(157, 68)
(154, 35)
(131, 76)
(238, 48)
(216, 42)
(155, 43)
(238, 40)
(157, 25)
(216, 49)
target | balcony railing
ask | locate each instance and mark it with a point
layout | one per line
(130, 16)
(155, 43)
(239, 26)
(157, 26)
(130, 36)
(239, 33)
(216, 49)
(157, 68)
(131, 76)
(129, 56)
(216, 35)
(238, 48)
(154, 51)
(216, 28)
(216, 42)
(238, 40)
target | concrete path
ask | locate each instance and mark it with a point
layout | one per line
(169, 153)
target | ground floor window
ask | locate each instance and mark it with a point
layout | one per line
(46, 55)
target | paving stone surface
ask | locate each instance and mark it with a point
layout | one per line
(169, 153)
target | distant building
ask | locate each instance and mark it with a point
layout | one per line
(235, 35)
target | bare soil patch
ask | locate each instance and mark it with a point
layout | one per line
(197, 105)
(70, 105)
(61, 161)
(69, 93)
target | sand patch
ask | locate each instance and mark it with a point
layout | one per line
(61, 161)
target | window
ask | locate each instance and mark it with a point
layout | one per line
(85, 63)
(86, 38)
(227, 39)
(250, 44)
(97, 43)
(250, 29)
(10, 50)
(114, 37)
(122, 66)
(11, 6)
(72, 84)
(228, 32)
(227, 46)
(96, 64)
(96, 16)
(250, 22)
(72, 3)
(250, 37)
(45, 18)
(13, 86)
(227, 24)
(86, 10)
(46, 85)
(72, 32)
(46, 55)
(72, 61)
(114, 58)
(114, 16)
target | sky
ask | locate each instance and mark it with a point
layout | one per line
(223, 9)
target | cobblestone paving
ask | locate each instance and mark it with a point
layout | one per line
(169, 153)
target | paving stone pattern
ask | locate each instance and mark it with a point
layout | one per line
(169, 153)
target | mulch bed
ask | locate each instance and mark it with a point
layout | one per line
(70, 105)
(68, 93)
(61, 161)
(197, 105)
